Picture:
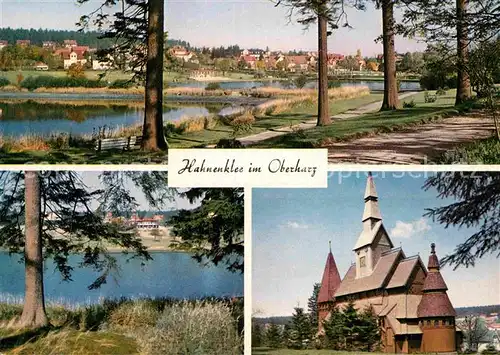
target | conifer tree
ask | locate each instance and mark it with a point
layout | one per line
(326, 14)
(312, 306)
(350, 326)
(273, 336)
(55, 207)
(476, 205)
(369, 332)
(334, 330)
(256, 336)
(137, 31)
(214, 230)
(301, 328)
(287, 330)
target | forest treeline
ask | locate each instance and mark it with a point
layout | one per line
(461, 312)
(86, 38)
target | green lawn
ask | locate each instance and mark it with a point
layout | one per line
(370, 122)
(82, 156)
(299, 113)
(269, 351)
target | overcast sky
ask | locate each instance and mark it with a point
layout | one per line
(292, 227)
(248, 23)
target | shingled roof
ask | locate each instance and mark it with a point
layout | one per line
(435, 301)
(377, 279)
(330, 281)
(403, 272)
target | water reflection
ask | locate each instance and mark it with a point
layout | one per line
(80, 117)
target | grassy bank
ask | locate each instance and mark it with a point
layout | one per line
(371, 123)
(111, 76)
(141, 326)
(285, 110)
(485, 151)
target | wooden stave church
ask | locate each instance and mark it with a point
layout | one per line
(415, 313)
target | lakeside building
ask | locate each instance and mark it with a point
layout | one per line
(135, 221)
(410, 300)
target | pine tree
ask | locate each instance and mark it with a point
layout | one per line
(369, 331)
(312, 306)
(287, 330)
(334, 330)
(301, 328)
(476, 196)
(138, 34)
(55, 207)
(214, 230)
(350, 326)
(256, 336)
(326, 14)
(274, 336)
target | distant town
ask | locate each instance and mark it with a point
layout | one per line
(45, 55)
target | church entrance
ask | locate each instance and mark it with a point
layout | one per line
(408, 344)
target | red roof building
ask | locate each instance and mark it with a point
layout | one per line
(413, 309)
(23, 42)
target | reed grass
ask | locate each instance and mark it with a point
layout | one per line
(23, 143)
(84, 90)
(145, 325)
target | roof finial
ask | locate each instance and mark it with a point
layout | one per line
(330, 245)
(433, 248)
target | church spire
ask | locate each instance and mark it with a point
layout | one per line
(329, 285)
(372, 211)
(435, 301)
(331, 279)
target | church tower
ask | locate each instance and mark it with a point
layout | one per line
(435, 311)
(329, 284)
(373, 240)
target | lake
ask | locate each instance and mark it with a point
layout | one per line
(170, 274)
(238, 85)
(78, 114)
(45, 118)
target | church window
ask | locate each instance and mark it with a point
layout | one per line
(362, 261)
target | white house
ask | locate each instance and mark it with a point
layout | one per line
(41, 66)
(73, 58)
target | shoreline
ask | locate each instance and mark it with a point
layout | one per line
(70, 96)
(117, 250)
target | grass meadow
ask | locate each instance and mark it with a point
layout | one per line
(139, 326)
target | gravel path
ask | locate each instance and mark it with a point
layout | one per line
(414, 145)
(276, 132)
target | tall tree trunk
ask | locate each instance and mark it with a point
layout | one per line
(153, 135)
(33, 315)
(463, 80)
(390, 83)
(323, 112)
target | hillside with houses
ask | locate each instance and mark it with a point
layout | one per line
(22, 49)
